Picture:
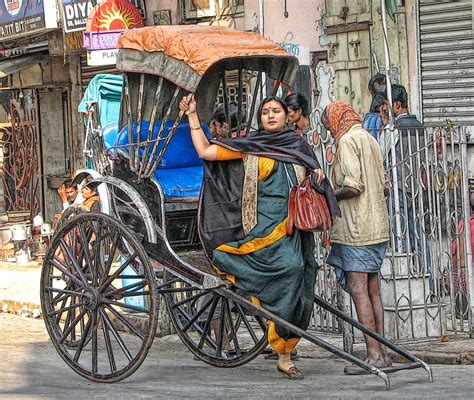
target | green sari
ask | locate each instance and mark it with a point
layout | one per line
(271, 265)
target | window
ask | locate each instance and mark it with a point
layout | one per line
(197, 9)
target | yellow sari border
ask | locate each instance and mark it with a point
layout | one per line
(280, 345)
(258, 243)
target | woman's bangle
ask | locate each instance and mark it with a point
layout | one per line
(195, 128)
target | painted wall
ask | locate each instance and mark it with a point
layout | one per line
(299, 32)
(153, 5)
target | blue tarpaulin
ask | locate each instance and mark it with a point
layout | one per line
(105, 90)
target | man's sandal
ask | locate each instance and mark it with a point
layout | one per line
(292, 373)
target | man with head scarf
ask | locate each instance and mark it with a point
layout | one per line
(359, 238)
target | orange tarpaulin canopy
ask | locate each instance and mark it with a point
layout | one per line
(199, 46)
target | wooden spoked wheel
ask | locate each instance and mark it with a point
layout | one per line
(216, 330)
(98, 296)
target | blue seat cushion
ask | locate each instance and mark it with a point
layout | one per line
(180, 171)
(180, 182)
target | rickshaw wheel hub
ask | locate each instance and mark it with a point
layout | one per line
(91, 298)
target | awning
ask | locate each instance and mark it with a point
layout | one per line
(13, 65)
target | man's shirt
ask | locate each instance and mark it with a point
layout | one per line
(364, 218)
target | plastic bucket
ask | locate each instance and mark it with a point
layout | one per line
(130, 277)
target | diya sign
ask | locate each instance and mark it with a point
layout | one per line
(104, 26)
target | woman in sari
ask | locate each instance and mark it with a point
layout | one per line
(243, 218)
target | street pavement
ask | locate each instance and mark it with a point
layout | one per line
(32, 369)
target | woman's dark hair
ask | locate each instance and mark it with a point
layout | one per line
(377, 101)
(399, 93)
(297, 101)
(219, 115)
(262, 104)
(92, 186)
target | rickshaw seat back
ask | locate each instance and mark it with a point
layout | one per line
(180, 171)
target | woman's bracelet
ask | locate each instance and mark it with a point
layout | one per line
(195, 128)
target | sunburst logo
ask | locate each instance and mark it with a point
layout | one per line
(113, 15)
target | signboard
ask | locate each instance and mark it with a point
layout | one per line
(102, 57)
(104, 25)
(75, 13)
(18, 17)
(101, 40)
(114, 15)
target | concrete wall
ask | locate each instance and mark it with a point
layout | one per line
(53, 142)
(153, 5)
(77, 124)
(299, 32)
(414, 78)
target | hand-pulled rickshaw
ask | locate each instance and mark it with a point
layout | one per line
(104, 272)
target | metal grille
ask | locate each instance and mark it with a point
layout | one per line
(447, 61)
(233, 90)
(21, 162)
(423, 280)
(423, 285)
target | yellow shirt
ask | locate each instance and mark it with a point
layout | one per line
(359, 165)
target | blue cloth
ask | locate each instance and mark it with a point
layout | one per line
(346, 258)
(373, 123)
(105, 90)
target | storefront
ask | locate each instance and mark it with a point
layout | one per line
(35, 90)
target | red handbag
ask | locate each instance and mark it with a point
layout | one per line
(308, 210)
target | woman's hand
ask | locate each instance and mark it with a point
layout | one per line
(320, 173)
(188, 105)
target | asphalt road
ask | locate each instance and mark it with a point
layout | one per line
(31, 369)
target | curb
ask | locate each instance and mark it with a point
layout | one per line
(21, 308)
(464, 357)
(31, 310)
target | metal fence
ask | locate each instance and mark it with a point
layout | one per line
(428, 266)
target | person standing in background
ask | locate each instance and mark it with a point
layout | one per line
(375, 120)
(360, 237)
(298, 112)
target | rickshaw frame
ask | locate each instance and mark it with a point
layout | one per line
(173, 274)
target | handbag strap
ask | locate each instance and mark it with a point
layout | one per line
(288, 177)
(291, 202)
(291, 211)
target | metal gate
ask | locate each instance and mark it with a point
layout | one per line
(426, 271)
(427, 268)
(21, 175)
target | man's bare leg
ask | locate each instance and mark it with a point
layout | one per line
(358, 288)
(376, 300)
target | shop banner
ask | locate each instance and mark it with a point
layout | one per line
(20, 16)
(75, 13)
